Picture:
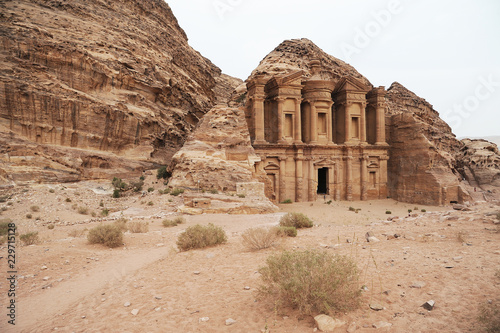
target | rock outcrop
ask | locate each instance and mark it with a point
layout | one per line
(217, 155)
(479, 162)
(107, 77)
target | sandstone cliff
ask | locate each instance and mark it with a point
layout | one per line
(105, 77)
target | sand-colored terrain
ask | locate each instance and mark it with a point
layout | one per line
(68, 285)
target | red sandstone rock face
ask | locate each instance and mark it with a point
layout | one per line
(107, 76)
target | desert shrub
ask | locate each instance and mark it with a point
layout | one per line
(214, 191)
(198, 236)
(4, 226)
(287, 201)
(138, 227)
(150, 203)
(423, 210)
(311, 281)
(410, 210)
(51, 226)
(77, 233)
(118, 183)
(4, 198)
(162, 173)
(68, 200)
(101, 204)
(108, 235)
(29, 216)
(173, 223)
(415, 208)
(52, 190)
(286, 231)
(122, 224)
(462, 236)
(388, 212)
(116, 194)
(489, 317)
(151, 189)
(83, 210)
(142, 178)
(105, 212)
(3, 239)
(177, 191)
(259, 238)
(352, 209)
(329, 202)
(3, 209)
(166, 191)
(297, 220)
(35, 208)
(137, 186)
(30, 238)
(241, 196)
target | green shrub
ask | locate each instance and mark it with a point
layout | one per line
(259, 238)
(329, 202)
(423, 210)
(287, 201)
(297, 220)
(108, 235)
(51, 226)
(4, 226)
(105, 212)
(241, 196)
(150, 203)
(116, 194)
(197, 237)
(176, 191)
(137, 186)
(352, 209)
(30, 238)
(214, 191)
(138, 227)
(173, 223)
(409, 211)
(68, 200)
(489, 317)
(142, 178)
(52, 190)
(151, 189)
(118, 183)
(286, 231)
(162, 173)
(388, 212)
(311, 281)
(35, 208)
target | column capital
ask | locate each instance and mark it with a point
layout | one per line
(281, 158)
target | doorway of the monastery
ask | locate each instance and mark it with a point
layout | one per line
(323, 181)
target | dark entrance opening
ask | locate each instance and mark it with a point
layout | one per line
(323, 181)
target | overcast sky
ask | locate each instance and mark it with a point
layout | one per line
(446, 51)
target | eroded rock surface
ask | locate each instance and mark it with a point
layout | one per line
(479, 162)
(116, 77)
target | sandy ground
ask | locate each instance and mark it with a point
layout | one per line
(67, 285)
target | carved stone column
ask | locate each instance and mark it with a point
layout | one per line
(299, 181)
(348, 120)
(298, 122)
(348, 181)
(281, 101)
(364, 177)
(314, 123)
(362, 132)
(329, 125)
(382, 190)
(380, 124)
(312, 181)
(282, 160)
(337, 181)
(259, 120)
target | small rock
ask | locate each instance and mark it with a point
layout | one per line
(376, 307)
(381, 324)
(127, 304)
(196, 272)
(230, 322)
(418, 285)
(43, 268)
(457, 258)
(158, 309)
(429, 305)
(458, 207)
(326, 323)
(352, 328)
(203, 319)
(247, 288)
(83, 317)
(158, 297)
(46, 278)
(134, 312)
(160, 245)
(373, 240)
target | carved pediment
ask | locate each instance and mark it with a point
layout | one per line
(349, 84)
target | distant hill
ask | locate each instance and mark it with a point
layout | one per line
(494, 139)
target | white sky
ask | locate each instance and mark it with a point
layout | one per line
(446, 51)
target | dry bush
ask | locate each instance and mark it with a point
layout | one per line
(30, 238)
(138, 227)
(77, 233)
(121, 224)
(311, 281)
(197, 237)
(297, 220)
(286, 231)
(259, 238)
(462, 236)
(35, 208)
(4, 226)
(489, 317)
(51, 226)
(83, 210)
(109, 235)
(173, 223)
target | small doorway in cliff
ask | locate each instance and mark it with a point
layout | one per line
(323, 181)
